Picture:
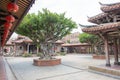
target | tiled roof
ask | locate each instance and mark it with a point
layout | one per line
(28, 40)
(110, 8)
(97, 17)
(102, 19)
(22, 39)
(102, 27)
(59, 42)
(9, 43)
(77, 44)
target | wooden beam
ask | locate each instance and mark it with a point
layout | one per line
(101, 35)
(108, 19)
(20, 19)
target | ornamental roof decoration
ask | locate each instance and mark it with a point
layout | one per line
(107, 21)
(110, 7)
(98, 18)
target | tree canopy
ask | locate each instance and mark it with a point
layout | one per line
(45, 27)
(91, 39)
(88, 38)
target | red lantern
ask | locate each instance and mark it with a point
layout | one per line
(10, 18)
(12, 7)
(7, 25)
(6, 32)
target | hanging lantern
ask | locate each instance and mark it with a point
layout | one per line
(12, 7)
(6, 32)
(7, 25)
(10, 18)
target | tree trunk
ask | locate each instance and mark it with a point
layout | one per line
(37, 49)
(92, 49)
(45, 51)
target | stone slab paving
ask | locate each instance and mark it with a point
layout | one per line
(3, 75)
(25, 69)
(80, 76)
(73, 67)
(9, 73)
(81, 61)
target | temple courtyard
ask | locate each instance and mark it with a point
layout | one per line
(73, 67)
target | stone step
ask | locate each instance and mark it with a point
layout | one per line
(109, 70)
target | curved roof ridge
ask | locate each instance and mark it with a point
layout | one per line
(100, 27)
(102, 4)
(111, 7)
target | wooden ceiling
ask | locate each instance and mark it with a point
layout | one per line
(24, 6)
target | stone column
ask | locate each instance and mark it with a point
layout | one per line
(106, 46)
(115, 52)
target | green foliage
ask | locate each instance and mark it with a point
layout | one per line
(27, 55)
(93, 40)
(39, 54)
(88, 38)
(68, 41)
(45, 26)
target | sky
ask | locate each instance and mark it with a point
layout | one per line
(78, 10)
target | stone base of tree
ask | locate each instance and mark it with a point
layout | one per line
(99, 56)
(51, 62)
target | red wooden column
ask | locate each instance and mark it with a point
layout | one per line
(106, 46)
(116, 52)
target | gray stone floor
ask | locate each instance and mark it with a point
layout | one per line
(73, 67)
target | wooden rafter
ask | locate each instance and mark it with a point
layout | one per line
(24, 6)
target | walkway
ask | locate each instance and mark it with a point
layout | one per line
(3, 75)
(73, 67)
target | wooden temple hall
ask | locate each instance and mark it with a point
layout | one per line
(107, 27)
(11, 14)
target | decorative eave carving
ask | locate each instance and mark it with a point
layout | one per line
(102, 27)
(97, 19)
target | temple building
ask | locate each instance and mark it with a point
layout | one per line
(73, 45)
(107, 27)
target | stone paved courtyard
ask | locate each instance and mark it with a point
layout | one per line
(73, 67)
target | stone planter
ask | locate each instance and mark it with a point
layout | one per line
(99, 56)
(51, 62)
